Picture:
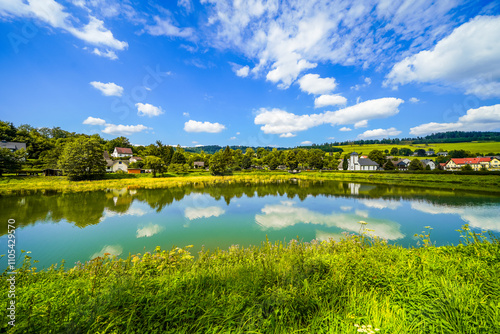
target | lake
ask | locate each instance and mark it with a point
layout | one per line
(81, 226)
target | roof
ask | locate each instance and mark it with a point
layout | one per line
(125, 162)
(426, 161)
(136, 158)
(123, 150)
(354, 153)
(463, 161)
(12, 145)
(199, 163)
(106, 155)
(367, 162)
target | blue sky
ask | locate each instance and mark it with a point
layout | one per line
(253, 72)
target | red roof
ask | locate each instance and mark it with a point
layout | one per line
(123, 150)
(463, 161)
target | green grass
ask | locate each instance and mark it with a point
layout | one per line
(476, 182)
(474, 147)
(317, 287)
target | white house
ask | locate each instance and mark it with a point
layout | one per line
(120, 165)
(12, 146)
(122, 152)
(357, 163)
(428, 162)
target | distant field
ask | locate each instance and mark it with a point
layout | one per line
(475, 147)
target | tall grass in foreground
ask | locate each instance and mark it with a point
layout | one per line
(317, 287)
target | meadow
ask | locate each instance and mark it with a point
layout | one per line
(359, 284)
(474, 147)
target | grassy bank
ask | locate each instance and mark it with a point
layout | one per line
(327, 287)
(483, 183)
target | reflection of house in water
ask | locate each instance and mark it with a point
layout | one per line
(357, 188)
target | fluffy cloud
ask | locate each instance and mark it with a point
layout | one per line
(120, 130)
(469, 58)
(345, 128)
(107, 54)
(94, 121)
(286, 38)
(194, 126)
(243, 71)
(54, 14)
(124, 130)
(481, 119)
(329, 100)
(277, 121)
(146, 109)
(313, 84)
(379, 133)
(361, 124)
(196, 213)
(306, 142)
(110, 249)
(414, 100)
(165, 27)
(108, 89)
(287, 135)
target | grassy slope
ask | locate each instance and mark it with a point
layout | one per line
(475, 147)
(485, 183)
(322, 287)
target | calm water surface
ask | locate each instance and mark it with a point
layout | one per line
(81, 226)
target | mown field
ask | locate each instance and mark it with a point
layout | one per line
(356, 285)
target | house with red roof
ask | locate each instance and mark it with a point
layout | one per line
(122, 152)
(475, 163)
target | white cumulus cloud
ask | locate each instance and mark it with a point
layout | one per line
(107, 54)
(379, 133)
(313, 84)
(94, 121)
(306, 142)
(146, 109)
(195, 126)
(108, 89)
(484, 118)
(287, 135)
(165, 27)
(277, 121)
(124, 130)
(469, 58)
(345, 128)
(148, 230)
(329, 100)
(243, 71)
(414, 100)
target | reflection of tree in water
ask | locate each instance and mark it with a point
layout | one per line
(87, 208)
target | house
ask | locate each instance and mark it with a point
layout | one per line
(199, 164)
(12, 146)
(120, 165)
(109, 162)
(428, 162)
(135, 171)
(134, 159)
(442, 154)
(494, 164)
(402, 164)
(475, 163)
(357, 163)
(122, 152)
(430, 152)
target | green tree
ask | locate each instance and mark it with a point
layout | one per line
(82, 159)
(273, 163)
(316, 158)
(117, 142)
(415, 164)
(466, 168)
(421, 152)
(11, 161)
(178, 158)
(291, 160)
(227, 156)
(394, 151)
(389, 165)
(377, 156)
(217, 164)
(345, 163)
(154, 163)
(7, 131)
(246, 162)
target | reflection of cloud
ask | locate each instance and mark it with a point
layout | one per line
(195, 213)
(346, 208)
(111, 249)
(362, 213)
(138, 212)
(480, 217)
(325, 236)
(282, 216)
(380, 204)
(148, 230)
